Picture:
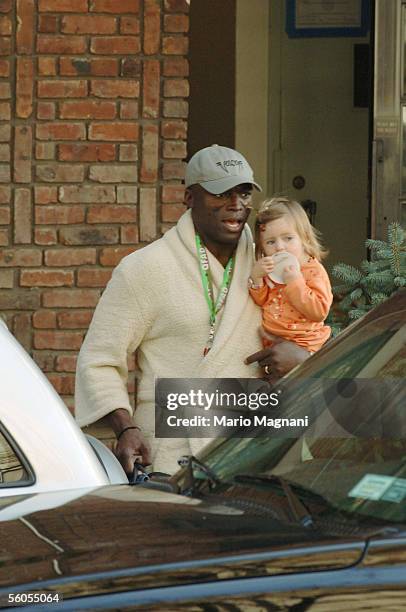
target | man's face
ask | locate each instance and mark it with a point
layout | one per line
(219, 219)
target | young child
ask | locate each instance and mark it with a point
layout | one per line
(296, 309)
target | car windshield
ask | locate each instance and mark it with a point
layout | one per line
(362, 469)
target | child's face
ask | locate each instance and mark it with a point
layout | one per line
(281, 235)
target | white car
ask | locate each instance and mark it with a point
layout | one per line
(41, 446)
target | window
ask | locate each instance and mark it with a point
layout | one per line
(14, 470)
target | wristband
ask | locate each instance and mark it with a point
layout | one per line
(126, 429)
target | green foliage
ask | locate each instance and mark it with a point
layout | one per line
(361, 290)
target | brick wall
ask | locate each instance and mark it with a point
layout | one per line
(93, 119)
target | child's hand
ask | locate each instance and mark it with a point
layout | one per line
(291, 273)
(261, 268)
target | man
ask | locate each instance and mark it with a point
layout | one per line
(182, 321)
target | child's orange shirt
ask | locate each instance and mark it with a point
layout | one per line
(297, 311)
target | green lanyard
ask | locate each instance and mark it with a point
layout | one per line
(214, 307)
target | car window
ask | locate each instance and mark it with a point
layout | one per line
(359, 390)
(14, 470)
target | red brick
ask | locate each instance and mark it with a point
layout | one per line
(120, 45)
(173, 170)
(148, 214)
(84, 194)
(176, 23)
(20, 258)
(177, 6)
(174, 129)
(130, 67)
(25, 26)
(5, 90)
(128, 152)
(176, 88)
(5, 26)
(87, 109)
(61, 44)
(45, 195)
(127, 194)
(46, 278)
(104, 66)
(5, 176)
(24, 87)
(5, 6)
(44, 236)
(57, 340)
(44, 319)
(74, 320)
(88, 24)
(5, 215)
(61, 131)
(46, 110)
(44, 360)
(129, 234)
(5, 46)
(4, 68)
(113, 131)
(175, 45)
(111, 214)
(47, 66)
(62, 89)
(4, 238)
(22, 216)
(5, 111)
(149, 165)
(88, 235)
(176, 66)
(60, 173)
(173, 193)
(48, 24)
(62, 6)
(59, 215)
(119, 173)
(115, 89)
(70, 257)
(63, 384)
(45, 150)
(22, 329)
(87, 152)
(93, 278)
(176, 108)
(70, 298)
(20, 299)
(129, 25)
(151, 89)
(172, 212)
(6, 279)
(74, 66)
(112, 6)
(5, 195)
(5, 152)
(22, 154)
(129, 110)
(152, 27)
(111, 256)
(66, 363)
(5, 133)
(174, 149)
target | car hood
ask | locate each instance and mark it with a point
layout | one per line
(119, 537)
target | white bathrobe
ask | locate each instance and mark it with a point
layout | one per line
(154, 304)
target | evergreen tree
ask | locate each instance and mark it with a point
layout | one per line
(361, 290)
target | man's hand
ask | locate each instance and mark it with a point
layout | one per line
(132, 448)
(279, 358)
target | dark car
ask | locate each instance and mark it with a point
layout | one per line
(316, 522)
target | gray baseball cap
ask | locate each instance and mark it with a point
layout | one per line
(218, 169)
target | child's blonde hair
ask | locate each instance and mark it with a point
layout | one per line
(279, 207)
